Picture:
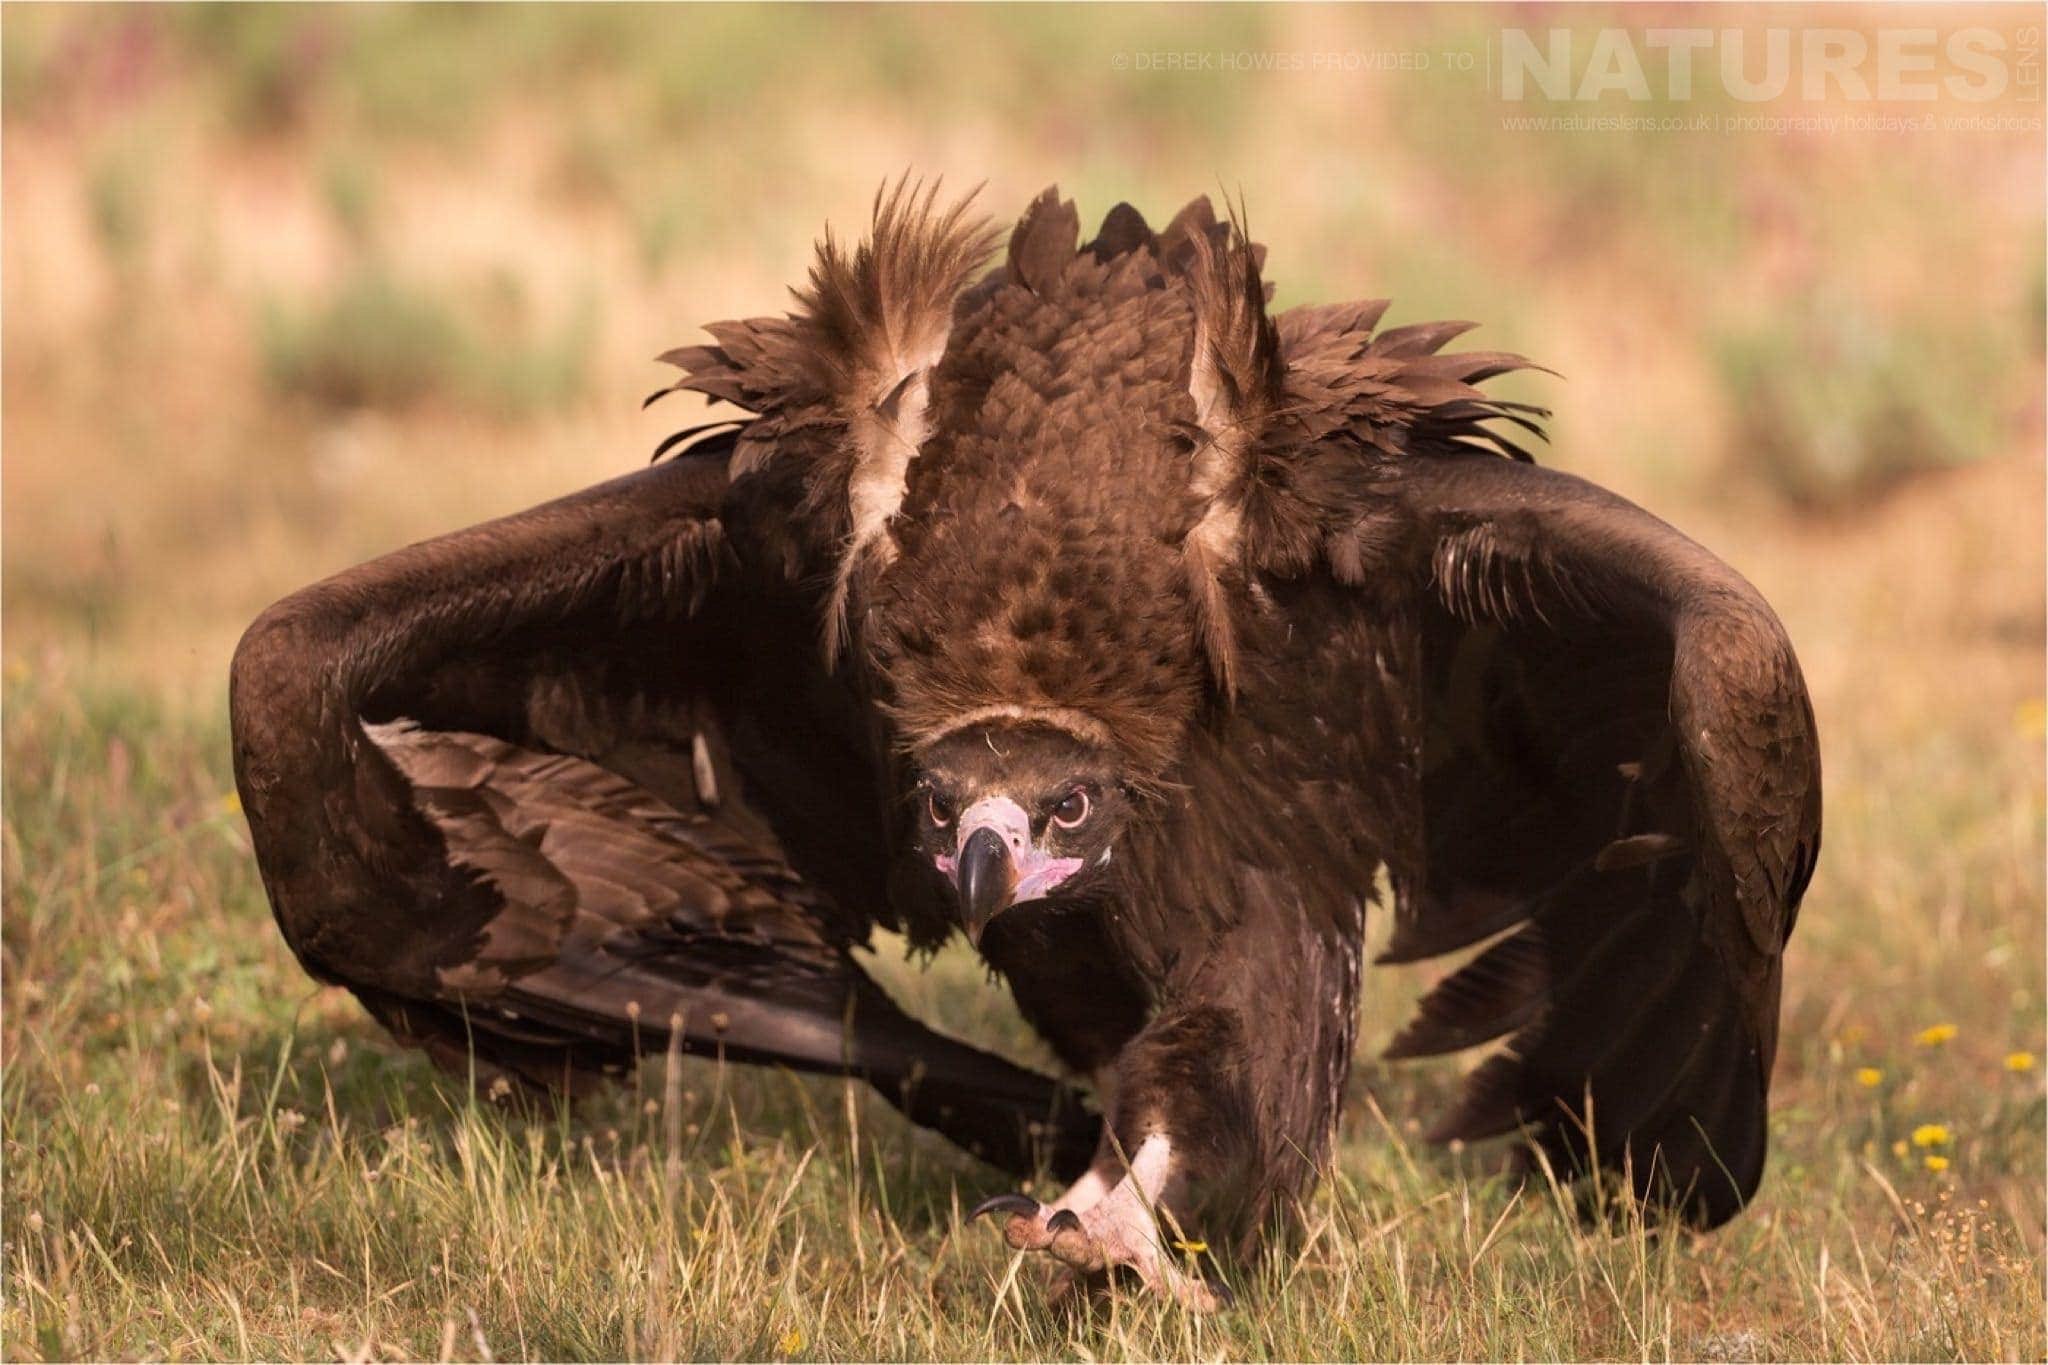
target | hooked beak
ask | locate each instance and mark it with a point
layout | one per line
(986, 879)
(995, 864)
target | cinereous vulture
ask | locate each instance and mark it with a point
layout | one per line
(1088, 610)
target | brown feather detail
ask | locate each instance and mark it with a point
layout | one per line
(1499, 991)
(1080, 724)
(843, 382)
(1123, 231)
(1042, 244)
(1637, 851)
(1235, 377)
(1355, 402)
(1432, 922)
(1235, 373)
(876, 324)
(1391, 392)
(1176, 243)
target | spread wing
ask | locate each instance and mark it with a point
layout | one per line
(1621, 780)
(543, 790)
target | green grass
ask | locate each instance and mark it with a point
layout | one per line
(207, 1156)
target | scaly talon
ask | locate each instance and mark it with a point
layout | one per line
(1021, 1205)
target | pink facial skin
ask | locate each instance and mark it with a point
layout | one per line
(1038, 872)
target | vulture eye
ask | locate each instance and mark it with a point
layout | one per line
(939, 807)
(1072, 811)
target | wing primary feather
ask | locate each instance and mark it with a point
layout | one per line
(1500, 991)
(686, 441)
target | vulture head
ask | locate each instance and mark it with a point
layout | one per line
(1018, 810)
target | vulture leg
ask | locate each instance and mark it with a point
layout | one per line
(1212, 1131)
(1102, 1222)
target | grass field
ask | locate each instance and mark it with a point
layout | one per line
(285, 288)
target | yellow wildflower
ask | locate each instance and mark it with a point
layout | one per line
(1869, 1077)
(1936, 1163)
(1899, 1147)
(1932, 1135)
(792, 1342)
(1191, 1248)
(1935, 1035)
(2019, 1061)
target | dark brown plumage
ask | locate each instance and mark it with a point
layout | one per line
(1093, 610)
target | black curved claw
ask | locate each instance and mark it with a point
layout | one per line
(1061, 1221)
(1023, 1205)
(1225, 1296)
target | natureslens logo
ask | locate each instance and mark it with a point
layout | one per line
(1904, 64)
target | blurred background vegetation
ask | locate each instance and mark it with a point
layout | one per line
(287, 286)
(286, 283)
